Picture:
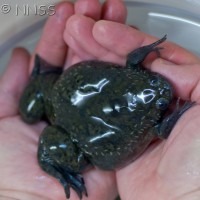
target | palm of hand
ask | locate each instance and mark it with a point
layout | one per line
(20, 172)
(167, 170)
(21, 177)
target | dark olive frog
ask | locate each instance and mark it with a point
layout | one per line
(99, 113)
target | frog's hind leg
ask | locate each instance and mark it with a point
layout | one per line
(59, 157)
(138, 55)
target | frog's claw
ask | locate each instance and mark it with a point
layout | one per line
(66, 178)
(164, 129)
(138, 55)
(73, 180)
(43, 67)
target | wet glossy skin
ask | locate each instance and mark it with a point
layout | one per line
(100, 113)
(108, 110)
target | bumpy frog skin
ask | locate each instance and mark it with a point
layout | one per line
(99, 113)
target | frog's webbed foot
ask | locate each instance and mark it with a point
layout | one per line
(164, 129)
(76, 181)
(70, 179)
(59, 157)
(66, 178)
(138, 55)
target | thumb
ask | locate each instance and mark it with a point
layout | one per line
(185, 79)
(13, 82)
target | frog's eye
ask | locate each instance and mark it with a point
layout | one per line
(154, 81)
(162, 103)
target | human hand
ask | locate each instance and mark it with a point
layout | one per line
(21, 176)
(169, 169)
(131, 178)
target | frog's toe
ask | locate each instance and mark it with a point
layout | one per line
(75, 181)
(67, 179)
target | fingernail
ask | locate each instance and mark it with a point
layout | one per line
(60, 14)
(63, 11)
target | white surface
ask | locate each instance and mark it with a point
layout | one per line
(187, 5)
(20, 25)
(16, 15)
(179, 19)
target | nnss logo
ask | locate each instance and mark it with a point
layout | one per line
(40, 10)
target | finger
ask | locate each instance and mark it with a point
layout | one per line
(84, 44)
(51, 46)
(184, 144)
(100, 184)
(75, 53)
(76, 47)
(169, 164)
(122, 39)
(89, 8)
(138, 176)
(185, 79)
(114, 10)
(80, 27)
(13, 82)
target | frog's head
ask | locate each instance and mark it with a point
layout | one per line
(156, 95)
(164, 91)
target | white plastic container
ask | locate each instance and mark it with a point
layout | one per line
(179, 19)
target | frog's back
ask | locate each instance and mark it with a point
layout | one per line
(94, 102)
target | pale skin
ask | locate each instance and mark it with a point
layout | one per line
(168, 170)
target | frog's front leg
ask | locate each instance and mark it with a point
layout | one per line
(164, 129)
(138, 55)
(59, 157)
